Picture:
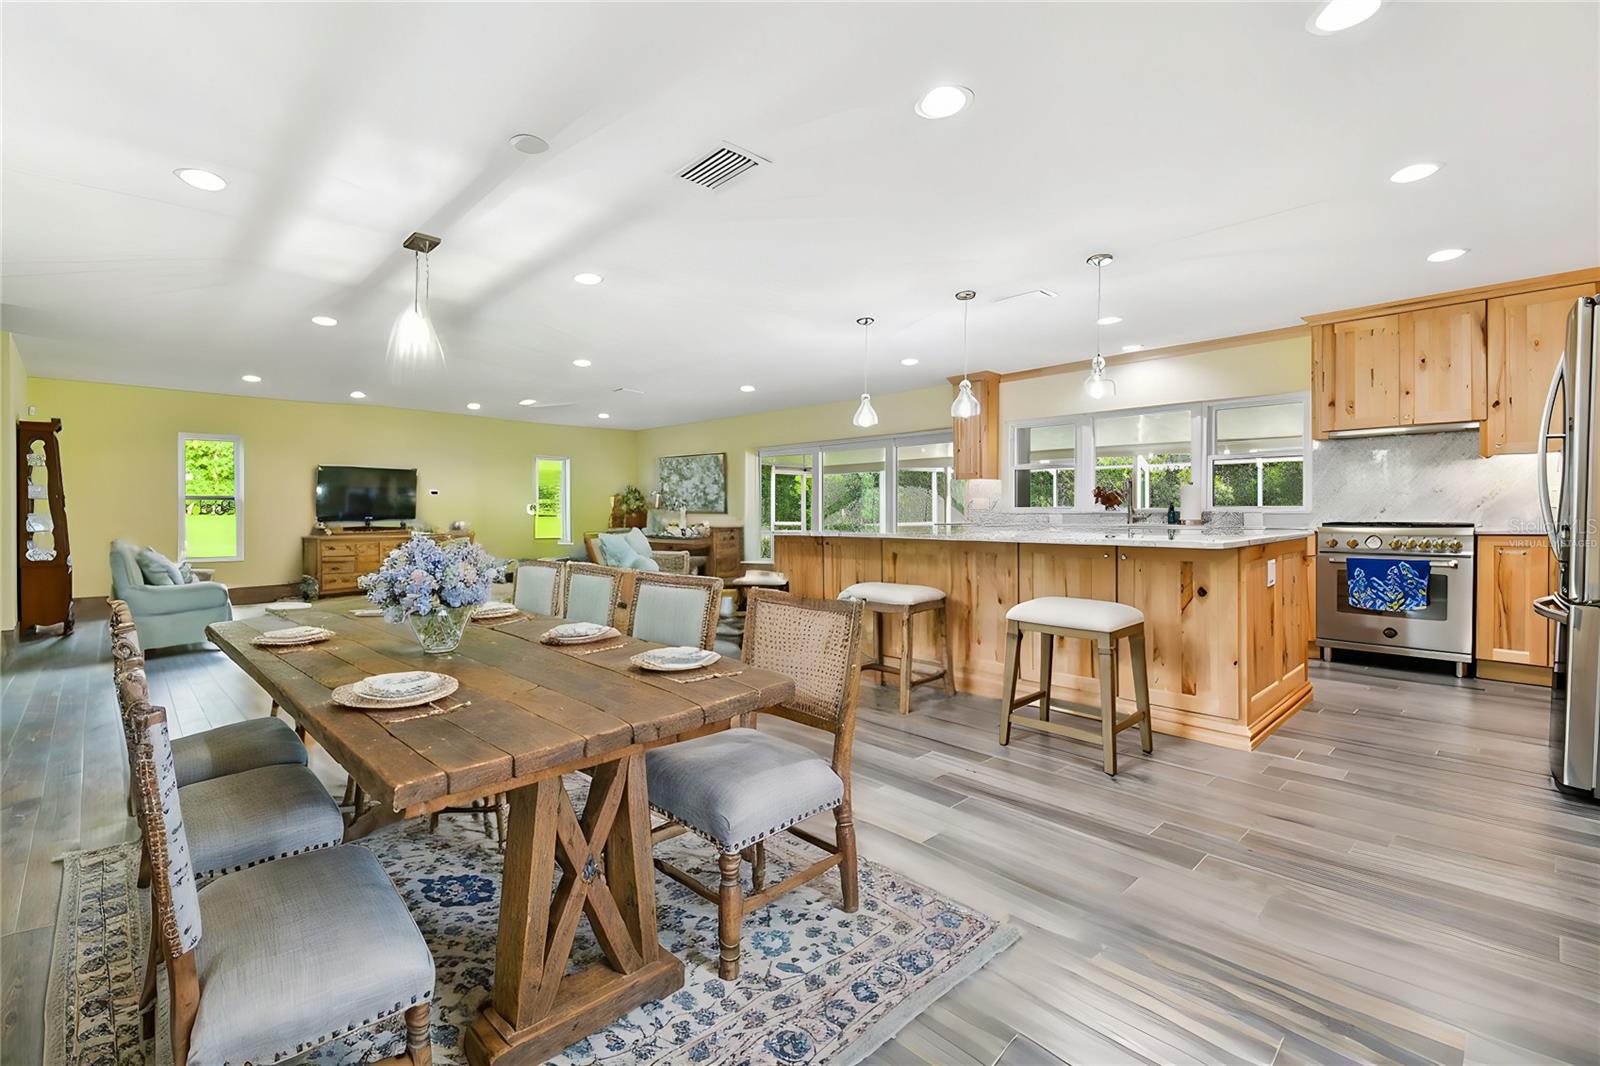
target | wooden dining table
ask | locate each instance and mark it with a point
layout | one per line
(524, 714)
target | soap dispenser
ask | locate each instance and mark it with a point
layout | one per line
(1172, 514)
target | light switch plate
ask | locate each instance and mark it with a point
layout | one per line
(1272, 572)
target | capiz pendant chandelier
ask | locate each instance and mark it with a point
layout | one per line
(966, 404)
(414, 347)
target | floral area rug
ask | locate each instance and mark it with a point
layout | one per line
(817, 986)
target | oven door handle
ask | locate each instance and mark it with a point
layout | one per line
(1550, 607)
(1444, 564)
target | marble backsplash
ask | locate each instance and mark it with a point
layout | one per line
(1424, 477)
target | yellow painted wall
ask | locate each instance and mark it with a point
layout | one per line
(14, 404)
(119, 453)
(743, 436)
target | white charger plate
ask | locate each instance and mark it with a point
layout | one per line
(495, 609)
(348, 696)
(672, 660)
(400, 685)
(291, 636)
(579, 633)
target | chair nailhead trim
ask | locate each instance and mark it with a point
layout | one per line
(747, 841)
(300, 1049)
(219, 871)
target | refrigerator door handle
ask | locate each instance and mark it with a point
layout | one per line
(1545, 510)
(1551, 607)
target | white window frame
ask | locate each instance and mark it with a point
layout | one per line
(1203, 454)
(566, 495)
(811, 503)
(184, 497)
(1214, 456)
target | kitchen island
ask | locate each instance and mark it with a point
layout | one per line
(1227, 618)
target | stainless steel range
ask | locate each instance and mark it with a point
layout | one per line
(1440, 630)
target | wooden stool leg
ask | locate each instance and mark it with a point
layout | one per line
(1047, 663)
(1108, 702)
(1008, 687)
(730, 915)
(949, 656)
(274, 711)
(907, 659)
(877, 641)
(1141, 689)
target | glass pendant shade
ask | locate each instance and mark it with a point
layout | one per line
(966, 404)
(414, 346)
(865, 416)
(1097, 384)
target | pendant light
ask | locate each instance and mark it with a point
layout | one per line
(865, 416)
(414, 347)
(1097, 384)
(966, 404)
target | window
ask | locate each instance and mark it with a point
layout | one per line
(842, 486)
(1258, 454)
(1045, 470)
(1154, 448)
(552, 513)
(210, 487)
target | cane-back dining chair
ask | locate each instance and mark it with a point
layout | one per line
(679, 610)
(741, 786)
(272, 962)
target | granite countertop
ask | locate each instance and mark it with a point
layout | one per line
(1157, 537)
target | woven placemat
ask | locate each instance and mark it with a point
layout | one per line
(348, 696)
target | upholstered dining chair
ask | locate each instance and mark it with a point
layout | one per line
(589, 593)
(218, 752)
(675, 609)
(739, 787)
(275, 961)
(537, 587)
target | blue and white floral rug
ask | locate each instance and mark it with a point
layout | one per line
(817, 986)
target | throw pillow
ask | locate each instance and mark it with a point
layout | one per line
(186, 574)
(157, 568)
(616, 549)
(639, 542)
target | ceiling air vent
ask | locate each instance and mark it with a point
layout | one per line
(721, 166)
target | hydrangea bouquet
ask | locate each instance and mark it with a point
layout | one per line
(433, 586)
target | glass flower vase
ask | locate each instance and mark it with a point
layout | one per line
(440, 630)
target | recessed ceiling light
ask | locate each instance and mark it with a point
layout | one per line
(1415, 172)
(581, 362)
(747, 388)
(1107, 320)
(203, 180)
(910, 360)
(474, 406)
(588, 278)
(943, 101)
(1444, 255)
(324, 320)
(526, 403)
(1133, 347)
(602, 414)
(1336, 15)
(358, 395)
(251, 378)
(528, 144)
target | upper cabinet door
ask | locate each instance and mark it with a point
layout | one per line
(1442, 365)
(1366, 373)
(1526, 335)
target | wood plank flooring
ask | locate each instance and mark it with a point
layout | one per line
(1390, 878)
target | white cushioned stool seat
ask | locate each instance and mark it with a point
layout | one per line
(234, 748)
(740, 785)
(249, 818)
(891, 593)
(299, 951)
(1070, 612)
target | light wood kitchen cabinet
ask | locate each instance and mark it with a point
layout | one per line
(1527, 333)
(1512, 572)
(1366, 373)
(977, 439)
(1442, 364)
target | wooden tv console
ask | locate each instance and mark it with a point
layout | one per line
(337, 559)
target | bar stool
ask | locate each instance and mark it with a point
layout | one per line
(1099, 621)
(907, 601)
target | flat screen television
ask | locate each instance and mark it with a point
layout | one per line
(366, 494)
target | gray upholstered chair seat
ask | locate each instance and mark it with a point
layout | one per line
(740, 786)
(253, 817)
(234, 748)
(281, 970)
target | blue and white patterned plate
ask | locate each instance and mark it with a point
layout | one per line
(670, 660)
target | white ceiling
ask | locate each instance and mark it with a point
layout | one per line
(1236, 165)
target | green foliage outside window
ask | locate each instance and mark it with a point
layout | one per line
(210, 525)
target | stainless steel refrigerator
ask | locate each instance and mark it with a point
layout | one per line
(1573, 525)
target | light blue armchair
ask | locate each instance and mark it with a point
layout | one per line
(166, 614)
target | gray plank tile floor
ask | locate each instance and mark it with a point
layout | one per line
(1390, 878)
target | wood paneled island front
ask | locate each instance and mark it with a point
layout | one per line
(1226, 619)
